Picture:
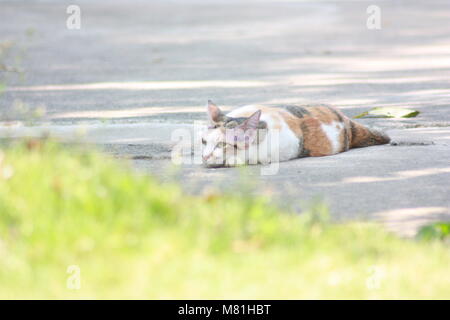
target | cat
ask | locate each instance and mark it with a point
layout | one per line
(246, 135)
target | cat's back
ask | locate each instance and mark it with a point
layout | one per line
(318, 129)
(292, 114)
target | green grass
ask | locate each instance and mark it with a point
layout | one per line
(133, 237)
(435, 231)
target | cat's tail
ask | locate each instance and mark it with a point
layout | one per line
(364, 137)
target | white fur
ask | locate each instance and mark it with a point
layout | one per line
(333, 132)
(278, 145)
(288, 143)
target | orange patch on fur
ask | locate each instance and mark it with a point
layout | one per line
(360, 135)
(323, 114)
(293, 122)
(315, 140)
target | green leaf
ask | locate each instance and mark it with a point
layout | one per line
(380, 112)
(435, 231)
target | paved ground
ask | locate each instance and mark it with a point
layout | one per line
(136, 70)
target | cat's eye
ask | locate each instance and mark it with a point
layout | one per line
(221, 145)
(203, 141)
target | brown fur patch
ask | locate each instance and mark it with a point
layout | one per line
(364, 137)
(293, 122)
(323, 113)
(346, 135)
(314, 138)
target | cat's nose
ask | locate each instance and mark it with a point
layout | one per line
(206, 157)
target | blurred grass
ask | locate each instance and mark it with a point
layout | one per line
(435, 231)
(133, 237)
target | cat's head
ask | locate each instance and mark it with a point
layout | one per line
(227, 139)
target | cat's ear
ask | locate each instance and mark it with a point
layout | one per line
(214, 113)
(250, 127)
(246, 133)
(252, 122)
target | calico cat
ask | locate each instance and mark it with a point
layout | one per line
(246, 134)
